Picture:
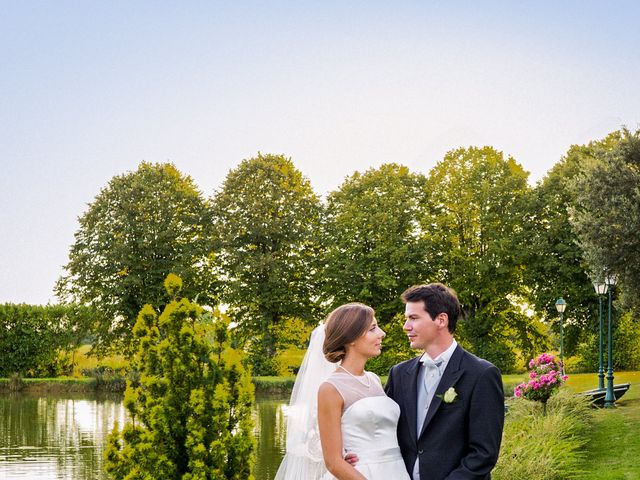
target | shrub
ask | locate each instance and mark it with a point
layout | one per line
(545, 377)
(544, 442)
(33, 338)
(190, 407)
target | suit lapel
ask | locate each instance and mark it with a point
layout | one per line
(451, 375)
(411, 396)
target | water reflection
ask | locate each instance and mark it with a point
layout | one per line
(270, 433)
(55, 437)
(64, 436)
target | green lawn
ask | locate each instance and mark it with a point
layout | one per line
(614, 449)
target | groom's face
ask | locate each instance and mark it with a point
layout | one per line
(420, 327)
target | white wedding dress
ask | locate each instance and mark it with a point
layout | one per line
(369, 423)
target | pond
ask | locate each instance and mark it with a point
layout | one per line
(63, 436)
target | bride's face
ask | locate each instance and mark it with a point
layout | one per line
(370, 343)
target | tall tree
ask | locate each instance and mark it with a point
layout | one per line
(142, 226)
(267, 220)
(475, 197)
(191, 409)
(555, 263)
(607, 213)
(375, 248)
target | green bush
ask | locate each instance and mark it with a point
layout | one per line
(626, 347)
(33, 338)
(544, 443)
(626, 343)
(112, 379)
(190, 408)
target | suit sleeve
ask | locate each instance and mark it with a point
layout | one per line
(486, 421)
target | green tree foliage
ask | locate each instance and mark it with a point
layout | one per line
(626, 342)
(267, 219)
(374, 245)
(626, 346)
(375, 248)
(555, 266)
(606, 217)
(475, 216)
(191, 410)
(33, 339)
(139, 228)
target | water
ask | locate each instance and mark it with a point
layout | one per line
(57, 437)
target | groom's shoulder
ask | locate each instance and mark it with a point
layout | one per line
(476, 362)
(406, 364)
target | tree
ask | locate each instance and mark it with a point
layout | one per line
(375, 248)
(555, 265)
(607, 213)
(140, 227)
(267, 220)
(475, 213)
(34, 338)
(191, 410)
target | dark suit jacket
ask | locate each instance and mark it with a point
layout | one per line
(459, 440)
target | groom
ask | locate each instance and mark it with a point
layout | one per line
(451, 402)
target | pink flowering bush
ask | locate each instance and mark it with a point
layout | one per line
(545, 377)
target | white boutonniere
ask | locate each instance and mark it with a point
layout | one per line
(449, 396)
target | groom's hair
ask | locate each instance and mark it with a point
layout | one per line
(437, 298)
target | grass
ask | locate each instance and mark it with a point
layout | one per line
(48, 385)
(545, 444)
(84, 362)
(614, 445)
(270, 385)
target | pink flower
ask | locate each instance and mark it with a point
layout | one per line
(544, 378)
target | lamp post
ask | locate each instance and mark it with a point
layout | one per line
(601, 289)
(609, 398)
(560, 306)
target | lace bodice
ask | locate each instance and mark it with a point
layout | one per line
(369, 423)
(353, 389)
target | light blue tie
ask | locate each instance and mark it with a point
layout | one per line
(430, 381)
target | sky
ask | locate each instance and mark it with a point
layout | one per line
(89, 89)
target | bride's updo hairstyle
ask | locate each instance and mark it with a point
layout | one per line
(344, 325)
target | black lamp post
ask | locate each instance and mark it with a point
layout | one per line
(560, 306)
(609, 398)
(601, 289)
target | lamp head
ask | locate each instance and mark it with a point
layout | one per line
(561, 305)
(600, 287)
(611, 279)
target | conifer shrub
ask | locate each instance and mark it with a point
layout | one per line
(190, 408)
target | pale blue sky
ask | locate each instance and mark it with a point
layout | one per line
(89, 89)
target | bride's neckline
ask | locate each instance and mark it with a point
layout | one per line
(358, 378)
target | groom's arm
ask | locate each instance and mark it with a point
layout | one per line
(486, 421)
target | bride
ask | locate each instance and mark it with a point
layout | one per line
(337, 407)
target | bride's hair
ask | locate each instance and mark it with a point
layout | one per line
(344, 325)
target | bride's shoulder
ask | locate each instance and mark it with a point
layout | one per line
(374, 377)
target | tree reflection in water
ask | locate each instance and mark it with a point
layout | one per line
(63, 436)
